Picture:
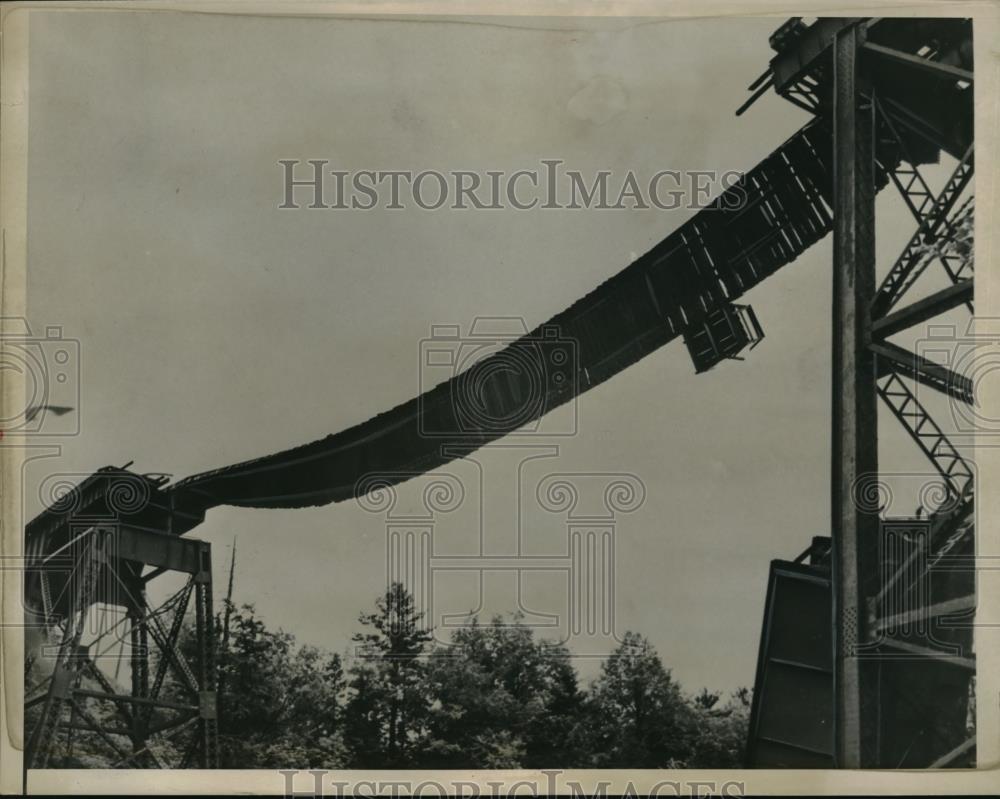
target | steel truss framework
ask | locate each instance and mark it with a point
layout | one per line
(902, 616)
(927, 603)
(167, 716)
(891, 682)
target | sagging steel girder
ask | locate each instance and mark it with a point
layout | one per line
(778, 210)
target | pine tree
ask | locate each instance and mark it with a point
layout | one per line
(388, 704)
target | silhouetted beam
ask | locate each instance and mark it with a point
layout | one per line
(934, 67)
(755, 96)
(922, 310)
(946, 760)
(134, 700)
(924, 614)
(929, 127)
(927, 652)
(922, 370)
(765, 75)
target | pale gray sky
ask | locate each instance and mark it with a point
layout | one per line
(215, 327)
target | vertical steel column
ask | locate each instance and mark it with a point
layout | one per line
(139, 663)
(208, 726)
(854, 444)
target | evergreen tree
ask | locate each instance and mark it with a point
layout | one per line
(387, 709)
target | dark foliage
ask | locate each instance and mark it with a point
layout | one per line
(496, 697)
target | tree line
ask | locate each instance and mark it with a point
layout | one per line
(495, 697)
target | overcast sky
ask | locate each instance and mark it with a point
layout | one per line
(215, 327)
